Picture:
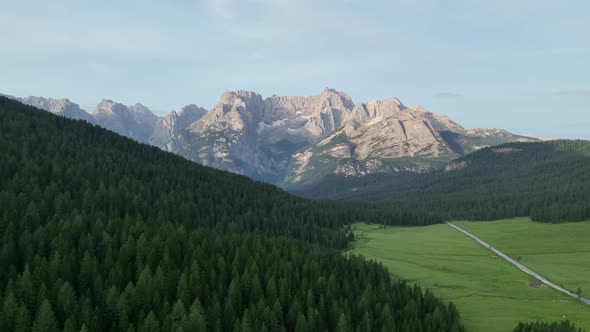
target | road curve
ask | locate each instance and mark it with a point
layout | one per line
(520, 266)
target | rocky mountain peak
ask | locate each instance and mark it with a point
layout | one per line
(106, 106)
(229, 97)
(141, 109)
(175, 122)
(294, 140)
(191, 108)
(135, 121)
(372, 112)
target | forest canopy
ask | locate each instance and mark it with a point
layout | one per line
(98, 232)
(548, 181)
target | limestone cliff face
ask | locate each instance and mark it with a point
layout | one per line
(304, 119)
(390, 130)
(247, 134)
(175, 122)
(378, 136)
(295, 140)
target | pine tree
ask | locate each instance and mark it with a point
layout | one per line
(45, 319)
(301, 325)
(343, 325)
(69, 326)
(150, 324)
(196, 320)
(22, 321)
(9, 312)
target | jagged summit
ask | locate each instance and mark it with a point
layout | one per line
(294, 140)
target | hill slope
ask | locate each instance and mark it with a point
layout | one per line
(100, 233)
(549, 181)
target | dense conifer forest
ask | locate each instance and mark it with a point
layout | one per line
(564, 326)
(548, 181)
(100, 233)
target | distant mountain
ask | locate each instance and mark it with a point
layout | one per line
(549, 181)
(135, 121)
(63, 107)
(247, 134)
(174, 122)
(295, 141)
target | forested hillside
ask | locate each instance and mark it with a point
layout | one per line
(563, 326)
(100, 233)
(549, 181)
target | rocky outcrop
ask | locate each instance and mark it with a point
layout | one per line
(440, 122)
(378, 136)
(175, 122)
(304, 119)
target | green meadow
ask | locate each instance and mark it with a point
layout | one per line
(559, 252)
(491, 294)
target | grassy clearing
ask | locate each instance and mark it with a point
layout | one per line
(491, 294)
(559, 252)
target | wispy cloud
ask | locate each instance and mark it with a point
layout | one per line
(447, 94)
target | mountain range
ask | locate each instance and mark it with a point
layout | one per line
(294, 141)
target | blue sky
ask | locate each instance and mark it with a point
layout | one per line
(519, 65)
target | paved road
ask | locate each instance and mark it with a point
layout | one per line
(520, 266)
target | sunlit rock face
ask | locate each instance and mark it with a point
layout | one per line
(291, 140)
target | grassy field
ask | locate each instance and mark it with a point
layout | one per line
(491, 294)
(559, 252)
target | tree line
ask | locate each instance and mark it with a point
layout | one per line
(548, 181)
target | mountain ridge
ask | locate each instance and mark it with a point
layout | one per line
(294, 141)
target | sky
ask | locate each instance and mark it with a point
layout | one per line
(519, 65)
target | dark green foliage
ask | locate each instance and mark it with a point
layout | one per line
(548, 181)
(45, 320)
(563, 326)
(100, 233)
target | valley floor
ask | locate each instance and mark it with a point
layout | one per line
(490, 293)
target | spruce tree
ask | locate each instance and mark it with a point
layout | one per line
(45, 319)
